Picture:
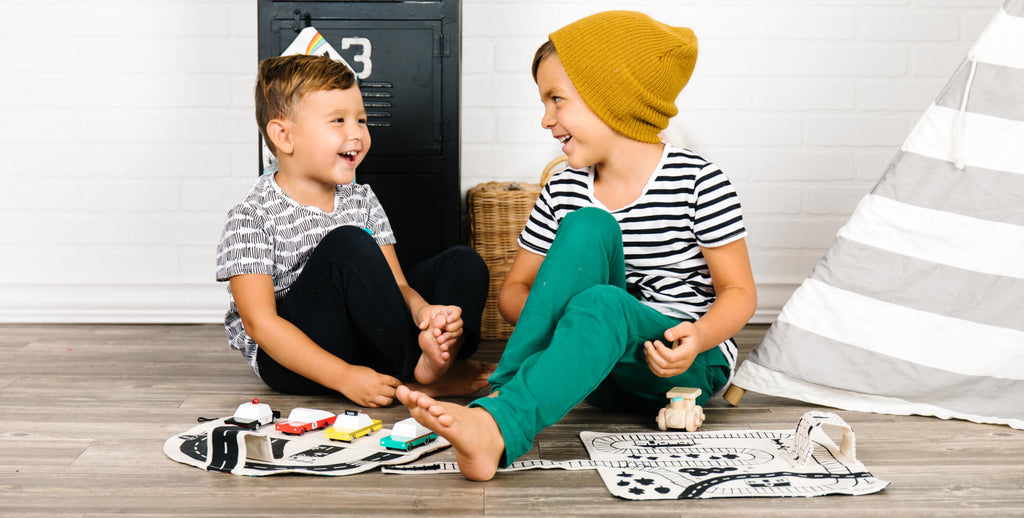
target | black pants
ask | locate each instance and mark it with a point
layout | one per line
(346, 300)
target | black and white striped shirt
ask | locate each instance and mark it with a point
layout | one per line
(688, 203)
(270, 233)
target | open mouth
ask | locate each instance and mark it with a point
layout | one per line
(564, 138)
(349, 155)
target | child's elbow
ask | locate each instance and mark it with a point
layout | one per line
(751, 301)
(511, 299)
(254, 327)
(741, 300)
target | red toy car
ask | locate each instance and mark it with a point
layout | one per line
(302, 420)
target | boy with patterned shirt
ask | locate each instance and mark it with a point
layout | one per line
(319, 303)
(636, 242)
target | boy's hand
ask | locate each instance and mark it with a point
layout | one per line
(369, 388)
(444, 323)
(665, 362)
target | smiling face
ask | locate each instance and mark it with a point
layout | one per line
(584, 136)
(330, 138)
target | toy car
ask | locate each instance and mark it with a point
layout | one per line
(253, 415)
(352, 425)
(682, 410)
(302, 420)
(406, 435)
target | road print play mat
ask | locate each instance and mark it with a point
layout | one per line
(744, 463)
(217, 446)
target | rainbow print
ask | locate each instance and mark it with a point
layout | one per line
(315, 44)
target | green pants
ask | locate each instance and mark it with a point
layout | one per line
(580, 337)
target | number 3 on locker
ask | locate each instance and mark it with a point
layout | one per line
(364, 57)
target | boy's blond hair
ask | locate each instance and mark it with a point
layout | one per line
(282, 81)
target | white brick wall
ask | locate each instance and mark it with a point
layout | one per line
(128, 129)
(126, 124)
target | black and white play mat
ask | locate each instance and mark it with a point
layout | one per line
(802, 462)
(720, 464)
(217, 446)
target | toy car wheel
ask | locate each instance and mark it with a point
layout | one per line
(661, 420)
(694, 418)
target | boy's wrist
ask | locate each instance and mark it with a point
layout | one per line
(341, 378)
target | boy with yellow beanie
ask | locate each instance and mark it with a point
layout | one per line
(632, 274)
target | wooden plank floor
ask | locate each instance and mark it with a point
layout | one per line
(85, 410)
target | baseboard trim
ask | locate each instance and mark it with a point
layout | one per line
(772, 294)
(197, 303)
(79, 303)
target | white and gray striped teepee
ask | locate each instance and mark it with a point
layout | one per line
(918, 307)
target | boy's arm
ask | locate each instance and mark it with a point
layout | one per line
(518, 282)
(289, 346)
(422, 311)
(735, 302)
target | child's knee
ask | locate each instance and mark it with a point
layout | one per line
(348, 242)
(591, 219)
(601, 298)
(592, 225)
(349, 233)
(350, 236)
(469, 263)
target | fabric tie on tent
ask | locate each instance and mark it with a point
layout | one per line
(958, 136)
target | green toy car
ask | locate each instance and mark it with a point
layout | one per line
(406, 435)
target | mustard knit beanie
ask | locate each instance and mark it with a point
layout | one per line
(628, 67)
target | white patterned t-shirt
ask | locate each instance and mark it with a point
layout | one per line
(270, 233)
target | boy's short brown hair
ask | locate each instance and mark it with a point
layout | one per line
(282, 81)
(545, 50)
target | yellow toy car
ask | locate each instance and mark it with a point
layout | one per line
(352, 425)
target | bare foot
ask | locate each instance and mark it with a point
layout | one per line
(465, 377)
(436, 359)
(473, 433)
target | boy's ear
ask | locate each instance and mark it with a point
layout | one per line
(279, 132)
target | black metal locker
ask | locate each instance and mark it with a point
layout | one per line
(406, 56)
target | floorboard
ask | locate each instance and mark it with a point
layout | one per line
(85, 410)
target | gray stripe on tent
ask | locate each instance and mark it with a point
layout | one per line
(936, 184)
(996, 90)
(803, 355)
(926, 286)
(1014, 7)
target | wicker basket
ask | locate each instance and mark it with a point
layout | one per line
(497, 213)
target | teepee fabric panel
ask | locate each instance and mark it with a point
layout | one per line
(918, 307)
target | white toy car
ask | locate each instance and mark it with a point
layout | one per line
(253, 415)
